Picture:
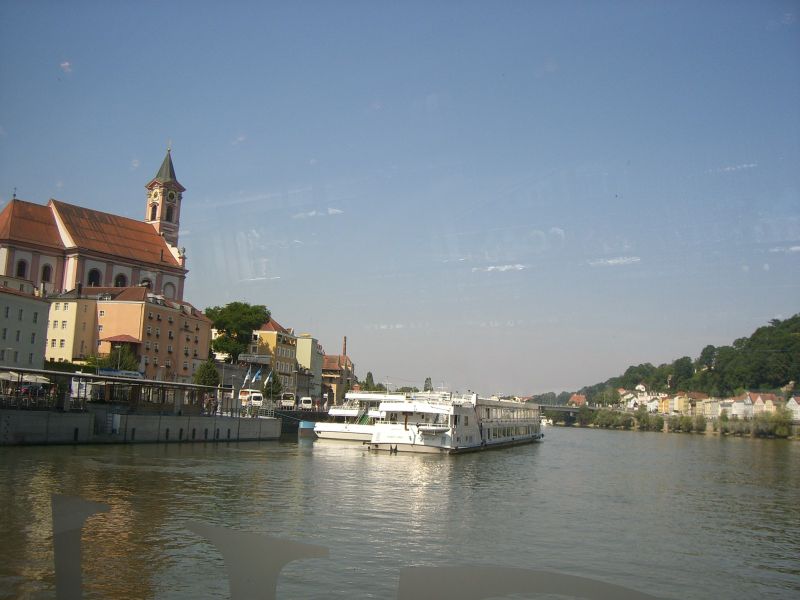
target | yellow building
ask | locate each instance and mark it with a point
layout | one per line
(170, 337)
(280, 345)
(309, 356)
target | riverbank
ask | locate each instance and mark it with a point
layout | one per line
(765, 426)
(25, 427)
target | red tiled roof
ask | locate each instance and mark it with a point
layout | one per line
(111, 234)
(273, 325)
(93, 230)
(121, 338)
(577, 399)
(335, 361)
(29, 223)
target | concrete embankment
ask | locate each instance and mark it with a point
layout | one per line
(21, 427)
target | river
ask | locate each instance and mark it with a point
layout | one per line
(671, 515)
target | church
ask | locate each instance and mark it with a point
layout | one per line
(61, 247)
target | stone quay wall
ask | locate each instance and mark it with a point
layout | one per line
(24, 427)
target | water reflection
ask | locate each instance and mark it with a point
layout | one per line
(627, 508)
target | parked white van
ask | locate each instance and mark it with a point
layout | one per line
(306, 403)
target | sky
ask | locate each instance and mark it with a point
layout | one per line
(508, 197)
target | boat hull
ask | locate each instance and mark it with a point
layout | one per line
(344, 431)
(437, 449)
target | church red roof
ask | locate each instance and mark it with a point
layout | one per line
(111, 234)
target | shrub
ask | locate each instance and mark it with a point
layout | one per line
(700, 424)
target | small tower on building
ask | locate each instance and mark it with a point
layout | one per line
(164, 195)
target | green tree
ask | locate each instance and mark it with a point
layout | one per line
(272, 388)
(584, 416)
(369, 382)
(206, 374)
(235, 323)
(428, 387)
(643, 418)
(700, 423)
(121, 358)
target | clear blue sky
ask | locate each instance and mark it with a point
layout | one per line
(504, 196)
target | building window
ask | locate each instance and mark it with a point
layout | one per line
(185, 365)
(149, 330)
(30, 358)
(20, 314)
(56, 306)
(47, 273)
(53, 343)
(169, 348)
(22, 269)
(5, 332)
(168, 364)
(62, 343)
(155, 347)
(169, 214)
(102, 313)
(2, 354)
(36, 317)
(63, 324)
(93, 280)
(33, 338)
(18, 334)
(146, 360)
(153, 212)
(6, 312)
(147, 345)
(120, 281)
(99, 328)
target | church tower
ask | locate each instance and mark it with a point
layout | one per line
(164, 195)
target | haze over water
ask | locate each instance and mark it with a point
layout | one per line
(676, 516)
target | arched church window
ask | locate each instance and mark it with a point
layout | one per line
(47, 273)
(22, 269)
(120, 281)
(169, 214)
(153, 212)
(93, 280)
(169, 291)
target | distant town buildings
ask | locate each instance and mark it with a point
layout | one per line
(744, 406)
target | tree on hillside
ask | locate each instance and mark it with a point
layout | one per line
(235, 323)
(682, 371)
(407, 389)
(428, 387)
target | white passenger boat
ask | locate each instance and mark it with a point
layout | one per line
(355, 419)
(447, 423)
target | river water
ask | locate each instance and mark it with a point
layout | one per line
(671, 515)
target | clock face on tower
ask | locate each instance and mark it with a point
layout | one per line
(171, 196)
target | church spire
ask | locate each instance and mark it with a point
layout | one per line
(166, 174)
(163, 206)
